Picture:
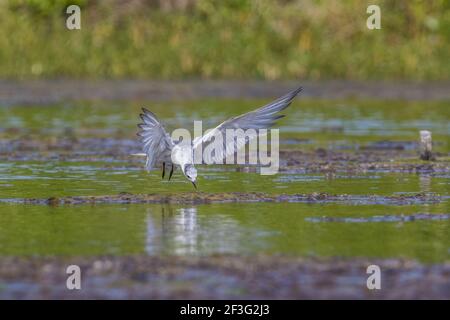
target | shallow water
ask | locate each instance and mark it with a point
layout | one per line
(312, 122)
(57, 179)
(244, 228)
(287, 228)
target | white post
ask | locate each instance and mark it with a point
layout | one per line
(425, 145)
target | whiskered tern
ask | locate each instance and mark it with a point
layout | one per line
(158, 146)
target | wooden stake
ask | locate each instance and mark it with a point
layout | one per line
(425, 145)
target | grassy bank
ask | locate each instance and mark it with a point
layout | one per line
(226, 39)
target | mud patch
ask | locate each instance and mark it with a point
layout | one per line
(221, 277)
(319, 160)
(360, 161)
(245, 197)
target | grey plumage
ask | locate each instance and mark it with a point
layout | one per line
(158, 145)
(261, 118)
(156, 142)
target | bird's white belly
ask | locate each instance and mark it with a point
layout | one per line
(182, 155)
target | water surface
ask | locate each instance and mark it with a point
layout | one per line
(287, 228)
(297, 229)
(313, 123)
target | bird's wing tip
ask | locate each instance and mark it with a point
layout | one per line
(299, 89)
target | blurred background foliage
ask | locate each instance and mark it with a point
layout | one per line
(234, 39)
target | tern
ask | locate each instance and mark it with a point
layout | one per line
(159, 147)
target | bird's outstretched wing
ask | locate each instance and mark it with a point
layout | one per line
(261, 118)
(156, 142)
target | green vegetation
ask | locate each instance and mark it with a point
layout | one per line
(225, 39)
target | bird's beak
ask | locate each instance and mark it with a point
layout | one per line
(195, 186)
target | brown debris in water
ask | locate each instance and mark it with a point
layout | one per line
(226, 197)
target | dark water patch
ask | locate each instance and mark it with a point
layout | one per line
(76, 146)
(392, 218)
(296, 141)
(48, 91)
(392, 145)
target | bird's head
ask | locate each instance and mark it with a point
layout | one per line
(191, 174)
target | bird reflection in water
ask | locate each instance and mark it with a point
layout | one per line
(173, 231)
(183, 231)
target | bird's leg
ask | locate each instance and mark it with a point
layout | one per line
(163, 170)
(171, 172)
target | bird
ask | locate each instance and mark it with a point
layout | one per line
(159, 147)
